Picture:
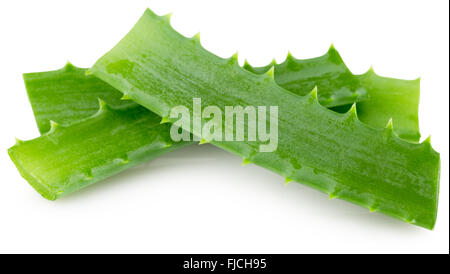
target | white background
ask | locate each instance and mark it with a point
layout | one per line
(200, 199)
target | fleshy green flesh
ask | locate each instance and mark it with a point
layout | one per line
(378, 98)
(110, 140)
(335, 153)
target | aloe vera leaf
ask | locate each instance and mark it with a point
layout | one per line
(332, 152)
(67, 95)
(66, 159)
(337, 85)
(71, 156)
(385, 98)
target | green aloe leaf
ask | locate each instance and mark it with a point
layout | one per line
(338, 86)
(335, 153)
(68, 95)
(111, 138)
(378, 98)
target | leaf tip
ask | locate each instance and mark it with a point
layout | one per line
(332, 196)
(287, 180)
(203, 141)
